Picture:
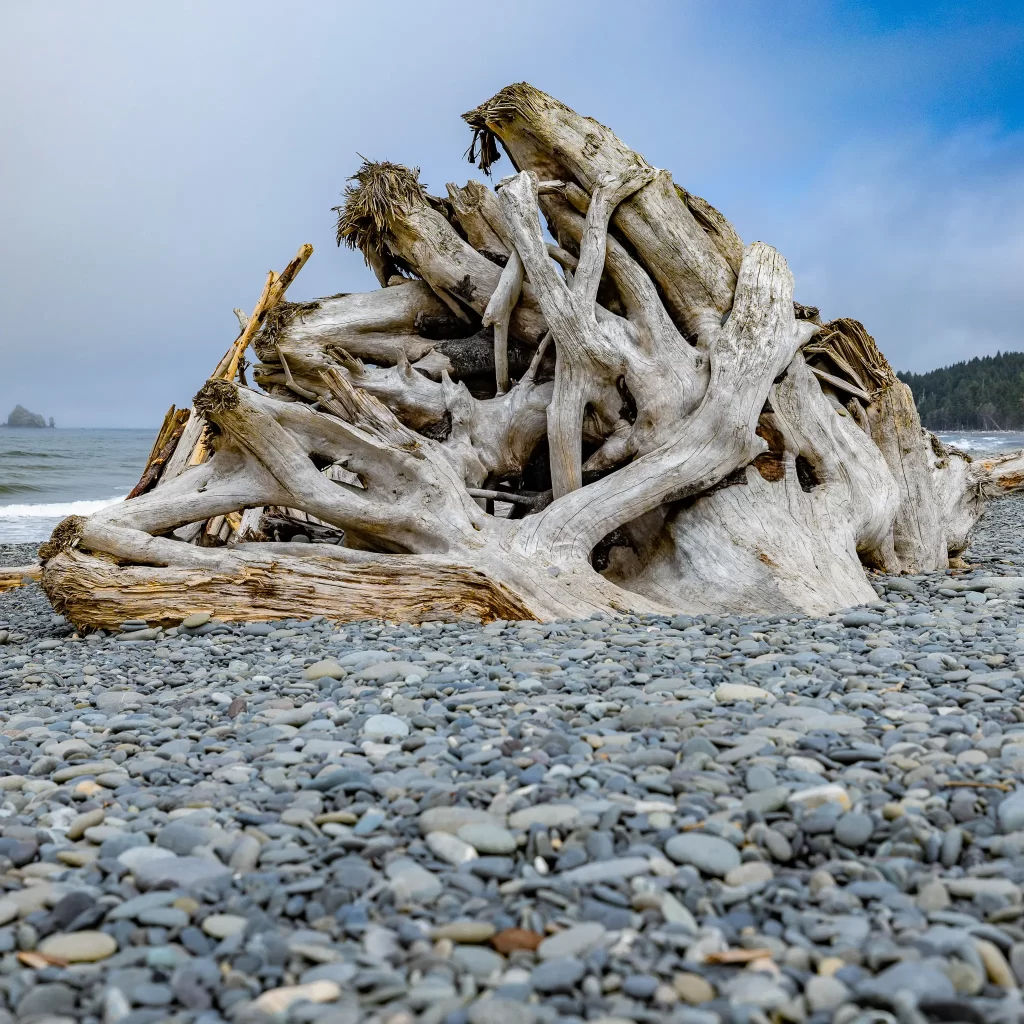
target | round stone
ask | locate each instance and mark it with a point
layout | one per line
(640, 986)
(854, 829)
(750, 873)
(47, 1002)
(972, 757)
(996, 966)
(221, 926)
(817, 796)
(449, 848)
(933, 896)
(479, 961)
(557, 975)
(465, 931)
(824, 993)
(137, 856)
(579, 940)
(83, 821)
(1011, 811)
(453, 819)
(693, 989)
(488, 839)
(884, 657)
(277, 1000)
(385, 727)
(326, 669)
(709, 854)
(729, 693)
(562, 816)
(78, 947)
(759, 777)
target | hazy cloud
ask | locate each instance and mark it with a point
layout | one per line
(922, 239)
(158, 159)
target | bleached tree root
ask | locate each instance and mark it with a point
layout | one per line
(792, 534)
(636, 417)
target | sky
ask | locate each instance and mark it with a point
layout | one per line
(158, 159)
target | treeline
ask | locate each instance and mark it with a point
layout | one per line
(984, 393)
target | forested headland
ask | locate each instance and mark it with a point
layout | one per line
(984, 393)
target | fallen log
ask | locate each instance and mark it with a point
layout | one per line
(1003, 474)
(263, 586)
(636, 417)
(19, 576)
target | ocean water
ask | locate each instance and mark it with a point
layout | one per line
(46, 475)
(980, 442)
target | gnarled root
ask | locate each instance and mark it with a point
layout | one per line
(634, 417)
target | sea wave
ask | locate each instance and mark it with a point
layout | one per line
(56, 509)
(17, 453)
(18, 488)
(991, 443)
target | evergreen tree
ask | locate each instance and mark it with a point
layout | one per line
(984, 393)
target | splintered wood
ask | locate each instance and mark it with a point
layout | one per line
(273, 292)
(181, 436)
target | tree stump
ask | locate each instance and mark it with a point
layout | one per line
(634, 416)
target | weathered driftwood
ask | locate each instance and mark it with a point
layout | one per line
(12, 578)
(190, 449)
(1003, 474)
(164, 446)
(268, 585)
(634, 417)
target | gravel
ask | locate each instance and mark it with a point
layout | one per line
(697, 819)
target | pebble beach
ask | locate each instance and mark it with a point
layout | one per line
(696, 820)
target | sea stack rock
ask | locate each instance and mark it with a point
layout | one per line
(21, 417)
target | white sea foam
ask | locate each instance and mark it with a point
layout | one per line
(976, 441)
(24, 524)
(974, 444)
(57, 509)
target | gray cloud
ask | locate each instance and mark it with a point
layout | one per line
(160, 158)
(920, 238)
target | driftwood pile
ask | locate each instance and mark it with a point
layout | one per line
(628, 412)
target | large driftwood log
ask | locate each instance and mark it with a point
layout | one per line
(19, 576)
(1003, 474)
(634, 417)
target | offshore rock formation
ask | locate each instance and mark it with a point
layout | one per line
(21, 417)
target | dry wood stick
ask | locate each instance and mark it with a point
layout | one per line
(167, 441)
(162, 435)
(273, 292)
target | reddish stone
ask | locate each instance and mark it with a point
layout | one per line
(512, 939)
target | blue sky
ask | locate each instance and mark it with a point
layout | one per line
(159, 159)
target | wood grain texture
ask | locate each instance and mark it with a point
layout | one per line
(96, 593)
(12, 578)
